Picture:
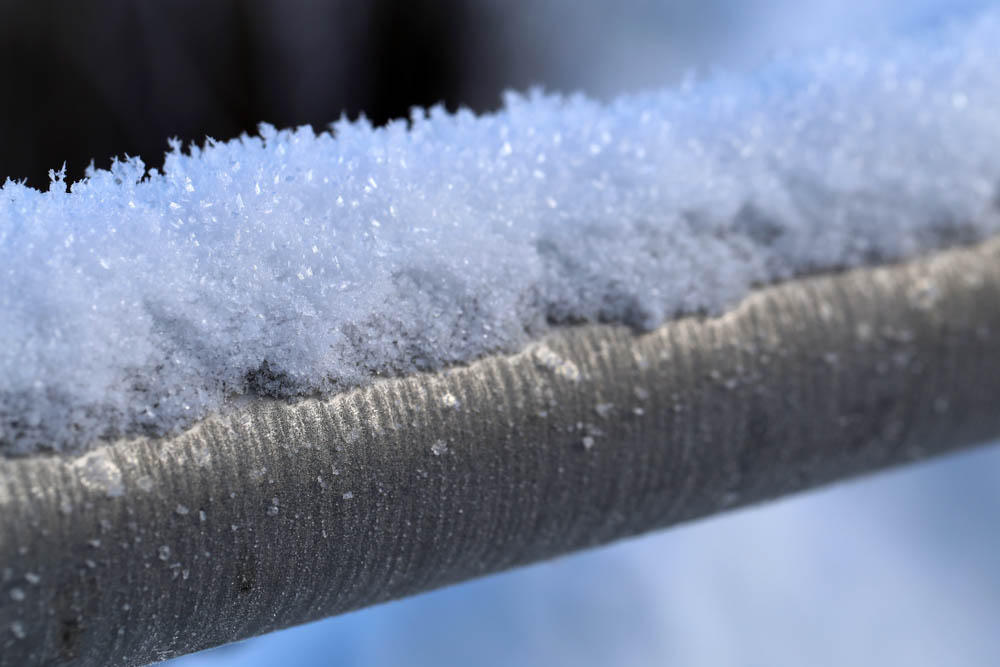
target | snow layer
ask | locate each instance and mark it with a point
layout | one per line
(296, 263)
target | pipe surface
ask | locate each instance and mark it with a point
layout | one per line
(274, 513)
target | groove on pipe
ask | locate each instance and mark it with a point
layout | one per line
(274, 513)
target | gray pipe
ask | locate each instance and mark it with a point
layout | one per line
(276, 513)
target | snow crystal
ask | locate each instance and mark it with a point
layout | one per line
(294, 263)
(604, 410)
(97, 471)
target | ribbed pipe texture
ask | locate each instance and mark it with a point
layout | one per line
(274, 513)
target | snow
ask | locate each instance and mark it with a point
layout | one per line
(295, 263)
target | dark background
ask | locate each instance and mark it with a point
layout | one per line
(102, 78)
(93, 79)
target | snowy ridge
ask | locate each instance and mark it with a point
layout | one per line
(296, 263)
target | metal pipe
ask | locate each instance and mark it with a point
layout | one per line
(272, 513)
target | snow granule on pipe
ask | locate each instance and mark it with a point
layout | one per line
(296, 263)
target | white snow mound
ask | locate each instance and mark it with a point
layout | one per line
(296, 263)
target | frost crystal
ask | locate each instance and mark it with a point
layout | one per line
(604, 410)
(294, 263)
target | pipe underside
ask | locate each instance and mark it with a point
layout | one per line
(276, 513)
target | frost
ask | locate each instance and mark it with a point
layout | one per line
(348, 495)
(163, 553)
(97, 471)
(547, 358)
(17, 629)
(17, 594)
(181, 509)
(604, 410)
(439, 447)
(133, 304)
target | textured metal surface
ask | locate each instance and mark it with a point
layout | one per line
(274, 514)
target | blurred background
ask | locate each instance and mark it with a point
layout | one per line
(91, 80)
(901, 568)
